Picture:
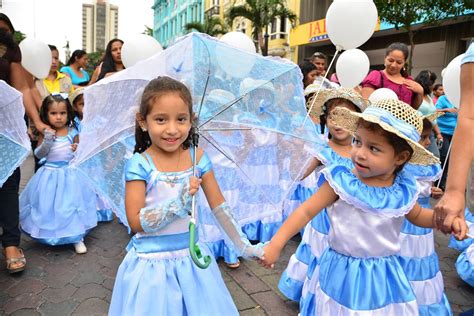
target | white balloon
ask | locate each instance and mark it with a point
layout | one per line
(139, 47)
(36, 57)
(383, 94)
(239, 40)
(352, 67)
(230, 59)
(350, 25)
(452, 81)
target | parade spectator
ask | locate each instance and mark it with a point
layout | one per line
(438, 91)
(112, 61)
(14, 74)
(75, 68)
(320, 61)
(56, 82)
(426, 79)
(447, 124)
(453, 201)
(394, 77)
(309, 72)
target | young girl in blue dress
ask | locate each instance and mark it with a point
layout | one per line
(336, 151)
(360, 271)
(57, 206)
(417, 249)
(158, 276)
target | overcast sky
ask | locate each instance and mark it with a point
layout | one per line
(55, 21)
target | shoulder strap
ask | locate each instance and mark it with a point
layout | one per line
(149, 160)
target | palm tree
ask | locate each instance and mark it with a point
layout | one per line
(212, 26)
(261, 13)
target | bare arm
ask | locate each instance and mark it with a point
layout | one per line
(19, 82)
(366, 92)
(312, 166)
(462, 154)
(324, 197)
(422, 217)
(134, 202)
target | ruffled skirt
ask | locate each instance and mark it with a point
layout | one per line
(343, 285)
(312, 246)
(421, 266)
(465, 265)
(169, 283)
(57, 207)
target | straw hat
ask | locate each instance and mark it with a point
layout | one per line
(75, 94)
(339, 93)
(311, 90)
(393, 116)
(433, 116)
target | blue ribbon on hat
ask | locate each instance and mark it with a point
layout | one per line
(403, 127)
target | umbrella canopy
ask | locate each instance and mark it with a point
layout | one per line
(14, 142)
(250, 111)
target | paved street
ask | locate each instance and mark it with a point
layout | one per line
(59, 282)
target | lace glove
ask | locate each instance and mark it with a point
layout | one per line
(233, 234)
(154, 218)
(42, 150)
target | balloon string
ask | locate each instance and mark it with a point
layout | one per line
(321, 85)
(444, 164)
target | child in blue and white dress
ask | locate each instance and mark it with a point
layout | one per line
(104, 211)
(158, 275)
(417, 249)
(360, 271)
(336, 151)
(465, 261)
(57, 207)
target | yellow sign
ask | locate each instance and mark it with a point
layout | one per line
(312, 32)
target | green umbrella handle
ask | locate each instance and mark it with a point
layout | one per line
(196, 254)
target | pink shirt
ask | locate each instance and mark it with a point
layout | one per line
(377, 79)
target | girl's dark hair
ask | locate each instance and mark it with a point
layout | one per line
(324, 114)
(427, 125)
(426, 79)
(155, 89)
(52, 47)
(404, 49)
(436, 86)
(108, 64)
(306, 67)
(6, 19)
(50, 99)
(399, 144)
(78, 53)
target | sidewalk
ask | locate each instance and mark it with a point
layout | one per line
(59, 282)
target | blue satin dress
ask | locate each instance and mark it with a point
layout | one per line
(360, 271)
(57, 206)
(417, 251)
(465, 261)
(157, 275)
(314, 241)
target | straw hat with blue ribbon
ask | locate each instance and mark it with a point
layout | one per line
(395, 117)
(338, 93)
(77, 92)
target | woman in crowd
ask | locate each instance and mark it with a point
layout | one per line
(75, 68)
(395, 77)
(112, 61)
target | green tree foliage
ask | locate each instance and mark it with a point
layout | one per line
(95, 59)
(405, 13)
(261, 13)
(212, 26)
(18, 36)
(148, 31)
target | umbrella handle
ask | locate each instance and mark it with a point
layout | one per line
(194, 250)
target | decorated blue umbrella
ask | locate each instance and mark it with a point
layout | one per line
(250, 112)
(14, 143)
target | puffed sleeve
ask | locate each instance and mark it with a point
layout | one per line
(137, 168)
(373, 80)
(205, 164)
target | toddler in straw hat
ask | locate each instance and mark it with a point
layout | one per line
(360, 271)
(336, 151)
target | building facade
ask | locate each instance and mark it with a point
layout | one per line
(435, 46)
(99, 25)
(170, 17)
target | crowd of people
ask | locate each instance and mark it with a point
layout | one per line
(366, 220)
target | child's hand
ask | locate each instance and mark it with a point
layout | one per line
(436, 192)
(74, 146)
(270, 256)
(459, 228)
(194, 184)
